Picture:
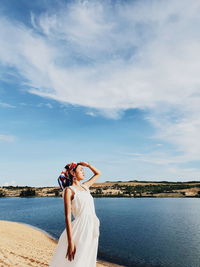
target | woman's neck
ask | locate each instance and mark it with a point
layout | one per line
(76, 183)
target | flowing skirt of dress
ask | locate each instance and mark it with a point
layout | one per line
(85, 234)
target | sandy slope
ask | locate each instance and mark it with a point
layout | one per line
(22, 245)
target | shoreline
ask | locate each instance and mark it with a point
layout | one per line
(23, 244)
(161, 195)
(99, 260)
(116, 189)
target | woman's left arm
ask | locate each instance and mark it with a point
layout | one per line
(96, 175)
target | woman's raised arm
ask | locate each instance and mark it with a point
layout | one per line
(96, 175)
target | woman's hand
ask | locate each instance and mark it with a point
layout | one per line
(83, 163)
(71, 251)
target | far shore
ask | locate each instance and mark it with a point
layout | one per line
(25, 245)
(134, 189)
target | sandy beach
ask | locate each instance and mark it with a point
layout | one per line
(24, 246)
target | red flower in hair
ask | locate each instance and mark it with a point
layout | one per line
(71, 166)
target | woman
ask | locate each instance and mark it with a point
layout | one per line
(78, 243)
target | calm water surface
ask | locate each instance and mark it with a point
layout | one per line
(133, 231)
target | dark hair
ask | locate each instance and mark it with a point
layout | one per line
(64, 180)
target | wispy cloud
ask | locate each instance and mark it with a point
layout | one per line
(112, 57)
(13, 183)
(158, 158)
(6, 105)
(7, 138)
(168, 166)
(48, 105)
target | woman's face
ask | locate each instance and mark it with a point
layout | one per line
(80, 174)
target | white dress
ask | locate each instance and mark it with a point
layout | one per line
(85, 233)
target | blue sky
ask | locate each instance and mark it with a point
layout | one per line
(114, 83)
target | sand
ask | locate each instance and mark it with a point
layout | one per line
(24, 246)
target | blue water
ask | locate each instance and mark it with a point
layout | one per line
(133, 231)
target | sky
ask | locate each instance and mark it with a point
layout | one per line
(112, 83)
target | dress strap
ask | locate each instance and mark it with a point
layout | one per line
(85, 186)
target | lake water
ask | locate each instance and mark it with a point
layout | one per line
(133, 231)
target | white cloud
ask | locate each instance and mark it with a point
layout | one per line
(13, 183)
(48, 105)
(6, 105)
(168, 166)
(143, 54)
(7, 138)
(111, 113)
(90, 113)
(23, 104)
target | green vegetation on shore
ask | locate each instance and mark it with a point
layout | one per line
(132, 188)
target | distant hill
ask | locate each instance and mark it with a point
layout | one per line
(114, 189)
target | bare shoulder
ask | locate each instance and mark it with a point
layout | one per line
(67, 191)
